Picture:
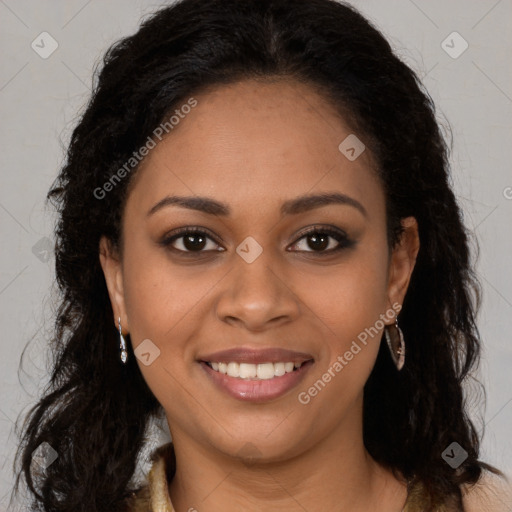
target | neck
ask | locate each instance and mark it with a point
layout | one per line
(337, 473)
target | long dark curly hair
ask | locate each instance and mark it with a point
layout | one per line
(94, 412)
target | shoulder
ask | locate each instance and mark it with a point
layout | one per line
(491, 493)
(154, 496)
(139, 501)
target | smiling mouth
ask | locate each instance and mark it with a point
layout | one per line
(250, 371)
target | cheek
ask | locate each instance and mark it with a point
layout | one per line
(163, 303)
(164, 306)
(158, 294)
(350, 296)
(350, 302)
(349, 307)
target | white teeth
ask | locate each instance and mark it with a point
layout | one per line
(279, 369)
(247, 371)
(288, 367)
(233, 370)
(262, 371)
(265, 371)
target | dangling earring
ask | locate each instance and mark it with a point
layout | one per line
(396, 343)
(122, 345)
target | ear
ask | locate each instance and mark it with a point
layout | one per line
(403, 259)
(113, 271)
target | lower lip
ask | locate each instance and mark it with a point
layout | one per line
(257, 390)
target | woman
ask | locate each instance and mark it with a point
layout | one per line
(258, 238)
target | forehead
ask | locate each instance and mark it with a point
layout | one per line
(250, 142)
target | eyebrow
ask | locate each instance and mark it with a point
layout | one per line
(310, 202)
(202, 204)
(291, 207)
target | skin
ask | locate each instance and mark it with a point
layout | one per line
(253, 146)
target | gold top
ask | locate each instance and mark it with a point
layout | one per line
(154, 497)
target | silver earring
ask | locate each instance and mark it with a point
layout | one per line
(395, 339)
(122, 344)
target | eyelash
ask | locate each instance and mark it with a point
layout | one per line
(343, 241)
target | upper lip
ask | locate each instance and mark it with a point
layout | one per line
(256, 356)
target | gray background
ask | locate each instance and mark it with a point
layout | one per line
(40, 100)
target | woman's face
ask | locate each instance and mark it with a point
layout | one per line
(289, 264)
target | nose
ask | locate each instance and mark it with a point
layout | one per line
(256, 296)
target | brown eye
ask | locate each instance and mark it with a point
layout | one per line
(189, 240)
(194, 242)
(318, 241)
(322, 240)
